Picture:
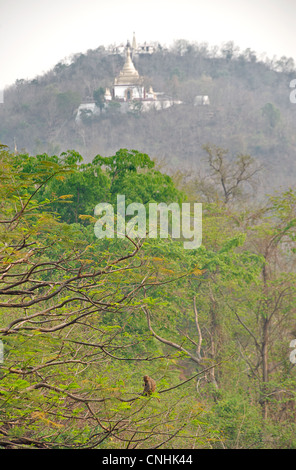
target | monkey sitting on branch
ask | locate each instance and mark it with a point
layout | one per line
(149, 385)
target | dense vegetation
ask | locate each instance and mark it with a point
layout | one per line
(83, 319)
(250, 110)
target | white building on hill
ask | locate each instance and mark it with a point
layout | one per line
(128, 85)
(128, 92)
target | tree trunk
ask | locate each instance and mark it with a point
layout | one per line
(265, 377)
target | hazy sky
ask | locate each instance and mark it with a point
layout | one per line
(36, 34)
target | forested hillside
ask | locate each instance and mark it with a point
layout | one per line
(249, 113)
(83, 319)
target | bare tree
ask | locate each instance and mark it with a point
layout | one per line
(231, 176)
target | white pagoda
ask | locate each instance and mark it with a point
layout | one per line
(128, 85)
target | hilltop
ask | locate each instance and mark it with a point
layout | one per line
(249, 113)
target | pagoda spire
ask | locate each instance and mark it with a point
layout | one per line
(134, 44)
(128, 74)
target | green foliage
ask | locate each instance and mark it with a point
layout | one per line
(239, 422)
(82, 320)
(78, 193)
(132, 175)
(99, 97)
(123, 162)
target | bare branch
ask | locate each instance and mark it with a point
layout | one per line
(198, 329)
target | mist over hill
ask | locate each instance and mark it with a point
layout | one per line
(250, 111)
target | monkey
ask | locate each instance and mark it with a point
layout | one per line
(149, 385)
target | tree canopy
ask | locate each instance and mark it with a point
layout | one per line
(82, 319)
